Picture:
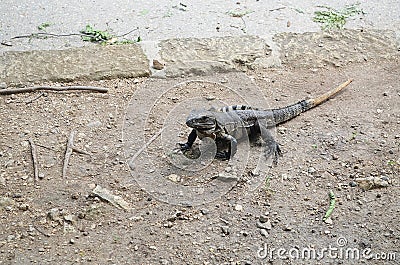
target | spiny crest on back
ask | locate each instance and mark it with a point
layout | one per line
(236, 107)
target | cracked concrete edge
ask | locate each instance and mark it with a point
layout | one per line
(193, 56)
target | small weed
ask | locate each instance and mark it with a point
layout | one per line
(267, 185)
(314, 146)
(239, 12)
(43, 26)
(94, 35)
(353, 136)
(391, 162)
(336, 19)
(144, 12)
(103, 37)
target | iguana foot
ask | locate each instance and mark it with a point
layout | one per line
(184, 147)
(274, 150)
(223, 155)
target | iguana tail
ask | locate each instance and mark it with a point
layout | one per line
(284, 114)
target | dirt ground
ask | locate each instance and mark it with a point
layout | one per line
(330, 148)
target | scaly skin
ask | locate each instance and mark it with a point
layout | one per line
(231, 123)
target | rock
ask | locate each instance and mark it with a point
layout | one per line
(23, 207)
(70, 218)
(157, 65)
(204, 211)
(72, 241)
(263, 218)
(266, 225)
(311, 170)
(287, 228)
(2, 181)
(225, 229)
(369, 183)
(54, 215)
(282, 130)
(264, 232)
(68, 228)
(353, 184)
(174, 178)
(238, 207)
(93, 124)
(228, 169)
(41, 249)
(5, 202)
(115, 200)
(328, 221)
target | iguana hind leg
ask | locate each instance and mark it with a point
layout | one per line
(272, 147)
(232, 148)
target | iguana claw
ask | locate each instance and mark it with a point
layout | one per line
(274, 150)
(224, 155)
(184, 147)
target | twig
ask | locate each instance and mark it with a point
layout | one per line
(35, 98)
(46, 147)
(45, 34)
(39, 230)
(68, 152)
(331, 206)
(276, 9)
(34, 160)
(80, 151)
(9, 91)
(123, 35)
(152, 139)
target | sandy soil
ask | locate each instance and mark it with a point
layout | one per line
(329, 148)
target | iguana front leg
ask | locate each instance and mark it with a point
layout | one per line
(272, 147)
(191, 138)
(226, 155)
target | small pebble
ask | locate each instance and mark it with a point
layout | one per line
(353, 184)
(311, 170)
(238, 207)
(264, 232)
(225, 230)
(287, 228)
(72, 241)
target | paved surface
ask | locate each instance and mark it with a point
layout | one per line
(177, 19)
(190, 38)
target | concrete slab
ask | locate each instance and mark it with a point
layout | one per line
(337, 48)
(208, 55)
(87, 63)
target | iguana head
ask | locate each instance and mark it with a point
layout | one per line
(202, 120)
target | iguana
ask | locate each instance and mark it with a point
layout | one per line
(228, 124)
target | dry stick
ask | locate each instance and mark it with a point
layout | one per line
(9, 91)
(45, 34)
(34, 160)
(38, 229)
(68, 152)
(35, 98)
(79, 151)
(152, 139)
